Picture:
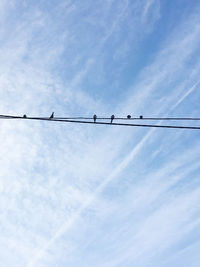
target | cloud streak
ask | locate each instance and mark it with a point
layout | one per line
(65, 188)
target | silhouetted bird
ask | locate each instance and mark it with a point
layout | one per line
(52, 115)
(95, 117)
(112, 118)
(141, 117)
(129, 117)
(24, 116)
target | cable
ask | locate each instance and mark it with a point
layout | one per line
(101, 123)
(107, 118)
(124, 118)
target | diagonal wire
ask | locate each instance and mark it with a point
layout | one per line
(77, 120)
(106, 118)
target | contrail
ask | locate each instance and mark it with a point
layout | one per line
(77, 214)
(115, 173)
(185, 95)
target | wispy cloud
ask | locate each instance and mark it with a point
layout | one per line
(109, 188)
(126, 161)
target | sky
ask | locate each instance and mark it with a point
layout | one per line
(94, 195)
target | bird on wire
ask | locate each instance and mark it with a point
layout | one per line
(52, 116)
(128, 117)
(95, 118)
(112, 118)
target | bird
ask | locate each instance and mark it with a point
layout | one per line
(129, 117)
(95, 117)
(112, 118)
(52, 115)
(141, 117)
(24, 116)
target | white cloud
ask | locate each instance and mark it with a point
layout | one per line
(53, 174)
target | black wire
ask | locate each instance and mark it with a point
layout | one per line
(102, 123)
(124, 118)
(105, 118)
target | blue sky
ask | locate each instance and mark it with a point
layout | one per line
(91, 195)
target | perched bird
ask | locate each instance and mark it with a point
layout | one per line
(24, 116)
(112, 118)
(52, 115)
(141, 117)
(95, 117)
(129, 117)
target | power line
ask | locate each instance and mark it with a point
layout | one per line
(77, 120)
(124, 118)
(107, 118)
